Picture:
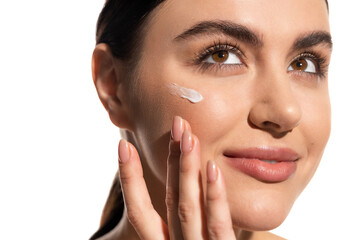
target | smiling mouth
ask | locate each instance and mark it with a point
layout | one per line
(264, 164)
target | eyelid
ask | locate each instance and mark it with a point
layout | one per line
(305, 55)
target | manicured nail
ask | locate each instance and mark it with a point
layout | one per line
(177, 128)
(187, 142)
(124, 151)
(211, 170)
(186, 125)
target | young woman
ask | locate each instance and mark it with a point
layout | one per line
(223, 108)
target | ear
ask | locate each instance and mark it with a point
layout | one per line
(108, 76)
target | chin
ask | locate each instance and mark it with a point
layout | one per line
(260, 210)
(258, 220)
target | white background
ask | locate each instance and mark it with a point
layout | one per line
(58, 149)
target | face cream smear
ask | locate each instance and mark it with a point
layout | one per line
(189, 94)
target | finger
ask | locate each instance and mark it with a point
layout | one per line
(140, 211)
(218, 213)
(190, 209)
(172, 181)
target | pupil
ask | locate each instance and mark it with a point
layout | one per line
(299, 64)
(221, 54)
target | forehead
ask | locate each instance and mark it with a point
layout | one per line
(274, 20)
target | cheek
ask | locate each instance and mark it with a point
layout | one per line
(315, 128)
(153, 112)
(223, 111)
(152, 117)
(210, 120)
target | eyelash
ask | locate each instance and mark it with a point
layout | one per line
(215, 47)
(316, 58)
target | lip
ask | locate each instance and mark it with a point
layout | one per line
(251, 162)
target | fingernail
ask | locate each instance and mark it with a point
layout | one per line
(186, 125)
(211, 170)
(177, 128)
(124, 151)
(187, 142)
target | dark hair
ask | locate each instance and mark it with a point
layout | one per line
(120, 24)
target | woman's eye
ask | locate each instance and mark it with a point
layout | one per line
(223, 57)
(304, 65)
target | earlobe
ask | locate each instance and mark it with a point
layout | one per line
(108, 84)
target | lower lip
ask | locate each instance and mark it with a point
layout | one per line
(264, 171)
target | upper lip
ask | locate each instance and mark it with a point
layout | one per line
(264, 153)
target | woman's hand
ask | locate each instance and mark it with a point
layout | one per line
(189, 215)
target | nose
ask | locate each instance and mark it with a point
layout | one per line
(275, 108)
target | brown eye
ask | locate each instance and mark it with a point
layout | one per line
(304, 65)
(220, 56)
(299, 65)
(223, 57)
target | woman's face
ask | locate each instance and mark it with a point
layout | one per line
(261, 67)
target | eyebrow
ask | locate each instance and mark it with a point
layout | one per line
(313, 39)
(244, 34)
(237, 31)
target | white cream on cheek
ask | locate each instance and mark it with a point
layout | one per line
(186, 93)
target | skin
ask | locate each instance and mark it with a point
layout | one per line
(260, 103)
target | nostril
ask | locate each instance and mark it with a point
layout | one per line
(268, 124)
